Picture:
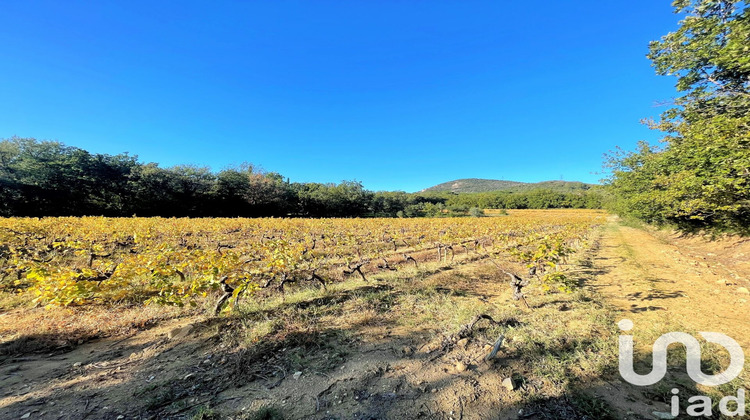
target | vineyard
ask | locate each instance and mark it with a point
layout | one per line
(95, 260)
(171, 318)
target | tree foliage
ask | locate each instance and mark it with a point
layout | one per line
(699, 178)
(51, 179)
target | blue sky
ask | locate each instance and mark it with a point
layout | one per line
(396, 94)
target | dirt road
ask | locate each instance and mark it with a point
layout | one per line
(663, 281)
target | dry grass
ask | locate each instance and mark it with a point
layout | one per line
(554, 351)
(558, 352)
(33, 330)
(566, 343)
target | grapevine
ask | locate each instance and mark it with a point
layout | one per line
(97, 260)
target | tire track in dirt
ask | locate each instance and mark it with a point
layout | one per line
(653, 279)
(654, 283)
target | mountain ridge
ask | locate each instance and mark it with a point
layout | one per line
(469, 185)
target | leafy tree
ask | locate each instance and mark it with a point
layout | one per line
(389, 203)
(347, 199)
(699, 178)
(268, 194)
(42, 178)
(49, 178)
(229, 191)
(476, 212)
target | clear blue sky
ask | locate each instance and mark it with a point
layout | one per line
(396, 94)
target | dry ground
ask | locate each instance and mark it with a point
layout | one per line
(391, 348)
(666, 282)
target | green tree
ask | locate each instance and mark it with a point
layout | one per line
(48, 178)
(347, 199)
(699, 178)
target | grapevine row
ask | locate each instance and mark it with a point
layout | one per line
(94, 260)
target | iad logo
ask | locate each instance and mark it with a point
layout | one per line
(693, 364)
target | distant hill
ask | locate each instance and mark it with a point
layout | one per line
(485, 185)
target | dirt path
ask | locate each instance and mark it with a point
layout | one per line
(657, 281)
(664, 282)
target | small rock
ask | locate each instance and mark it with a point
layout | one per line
(178, 333)
(77, 364)
(25, 416)
(433, 390)
(721, 281)
(743, 290)
(460, 367)
(463, 343)
(487, 347)
(508, 384)
(297, 375)
(662, 415)
(407, 350)
(120, 417)
(188, 376)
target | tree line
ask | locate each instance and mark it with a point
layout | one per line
(45, 178)
(698, 178)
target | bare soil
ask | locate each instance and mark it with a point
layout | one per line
(657, 278)
(663, 282)
(388, 349)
